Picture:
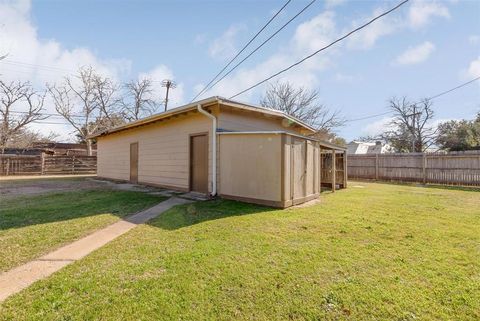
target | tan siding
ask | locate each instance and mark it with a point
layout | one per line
(302, 168)
(249, 121)
(251, 166)
(163, 151)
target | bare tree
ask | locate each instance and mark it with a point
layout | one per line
(139, 101)
(29, 103)
(76, 100)
(106, 93)
(302, 104)
(411, 129)
(26, 138)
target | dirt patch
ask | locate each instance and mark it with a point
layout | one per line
(14, 188)
(306, 204)
(35, 186)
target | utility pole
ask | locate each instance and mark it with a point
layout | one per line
(414, 116)
(169, 84)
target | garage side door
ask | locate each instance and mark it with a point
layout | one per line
(199, 163)
(134, 163)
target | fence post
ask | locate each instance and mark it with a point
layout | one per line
(424, 167)
(8, 166)
(73, 164)
(376, 166)
(43, 163)
(334, 171)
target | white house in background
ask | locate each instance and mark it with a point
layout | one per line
(358, 148)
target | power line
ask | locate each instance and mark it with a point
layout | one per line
(455, 88)
(35, 66)
(322, 49)
(429, 98)
(243, 49)
(367, 117)
(49, 123)
(47, 114)
(43, 68)
(262, 44)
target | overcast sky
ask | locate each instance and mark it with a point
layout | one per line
(419, 50)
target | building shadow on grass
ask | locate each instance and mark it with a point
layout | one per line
(199, 212)
(65, 206)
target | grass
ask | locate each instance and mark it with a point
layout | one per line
(33, 225)
(381, 252)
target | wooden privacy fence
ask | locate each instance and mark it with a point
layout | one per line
(47, 165)
(455, 168)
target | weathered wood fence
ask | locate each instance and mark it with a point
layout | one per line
(455, 168)
(47, 165)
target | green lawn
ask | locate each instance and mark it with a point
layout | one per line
(381, 252)
(33, 225)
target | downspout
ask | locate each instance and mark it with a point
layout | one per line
(214, 148)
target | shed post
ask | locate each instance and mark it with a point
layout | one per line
(305, 161)
(334, 170)
(283, 180)
(345, 174)
(320, 168)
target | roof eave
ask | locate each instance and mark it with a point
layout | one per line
(156, 117)
(193, 105)
(277, 113)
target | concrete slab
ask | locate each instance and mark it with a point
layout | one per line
(21, 277)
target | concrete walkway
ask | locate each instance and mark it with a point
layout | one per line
(21, 277)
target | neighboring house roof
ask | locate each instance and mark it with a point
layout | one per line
(193, 106)
(357, 147)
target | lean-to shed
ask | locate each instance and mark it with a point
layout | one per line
(220, 147)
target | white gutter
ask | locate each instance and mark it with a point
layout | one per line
(214, 148)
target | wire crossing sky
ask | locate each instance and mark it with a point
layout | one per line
(420, 49)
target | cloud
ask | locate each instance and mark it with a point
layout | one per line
(344, 78)
(474, 39)
(41, 60)
(159, 73)
(308, 36)
(366, 38)
(224, 47)
(473, 70)
(421, 12)
(334, 3)
(378, 127)
(315, 33)
(200, 39)
(415, 55)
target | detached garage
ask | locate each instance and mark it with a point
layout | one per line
(222, 147)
